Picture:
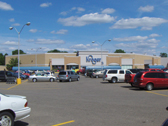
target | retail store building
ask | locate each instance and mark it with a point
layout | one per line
(65, 61)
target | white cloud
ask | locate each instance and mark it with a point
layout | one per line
(74, 8)
(108, 11)
(33, 30)
(45, 4)
(12, 48)
(62, 31)
(146, 23)
(30, 40)
(10, 43)
(138, 45)
(16, 24)
(49, 41)
(12, 20)
(132, 38)
(152, 41)
(80, 9)
(5, 6)
(80, 46)
(146, 8)
(63, 13)
(154, 35)
(86, 19)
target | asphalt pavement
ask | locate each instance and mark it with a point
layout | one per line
(90, 102)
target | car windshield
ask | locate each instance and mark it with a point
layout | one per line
(62, 73)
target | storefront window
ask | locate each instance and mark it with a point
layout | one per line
(69, 67)
(57, 67)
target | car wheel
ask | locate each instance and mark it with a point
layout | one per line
(114, 80)
(60, 80)
(6, 119)
(70, 80)
(132, 85)
(78, 79)
(51, 80)
(97, 76)
(149, 87)
(34, 80)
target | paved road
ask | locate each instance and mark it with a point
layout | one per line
(90, 102)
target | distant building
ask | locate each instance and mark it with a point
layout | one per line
(64, 61)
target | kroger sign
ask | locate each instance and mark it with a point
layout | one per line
(93, 60)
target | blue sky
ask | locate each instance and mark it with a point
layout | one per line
(139, 26)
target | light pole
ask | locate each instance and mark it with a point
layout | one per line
(28, 23)
(36, 53)
(101, 51)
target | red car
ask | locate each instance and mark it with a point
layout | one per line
(151, 79)
(129, 78)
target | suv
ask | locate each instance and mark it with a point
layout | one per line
(5, 75)
(151, 79)
(68, 76)
(113, 76)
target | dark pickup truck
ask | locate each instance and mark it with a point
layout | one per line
(7, 76)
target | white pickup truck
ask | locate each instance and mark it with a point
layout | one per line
(115, 75)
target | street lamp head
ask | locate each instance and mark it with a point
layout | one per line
(93, 41)
(28, 23)
(109, 40)
(10, 28)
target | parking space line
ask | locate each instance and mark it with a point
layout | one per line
(16, 85)
(64, 123)
(157, 93)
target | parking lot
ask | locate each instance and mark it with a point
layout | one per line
(90, 102)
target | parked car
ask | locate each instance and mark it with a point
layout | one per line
(165, 123)
(113, 76)
(22, 76)
(129, 77)
(4, 75)
(98, 74)
(152, 69)
(68, 76)
(42, 76)
(151, 79)
(134, 71)
(13, 108)
(90, 72)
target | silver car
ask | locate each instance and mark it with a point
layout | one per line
(68, 76)
(43, 76)
(98, 74)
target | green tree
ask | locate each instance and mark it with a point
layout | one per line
(13, 62)
(163, 54)
(15, 52)
(2, 58)
(119, 51)
(56, 51)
